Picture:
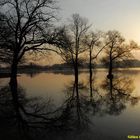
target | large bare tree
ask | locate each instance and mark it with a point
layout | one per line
(28, 22)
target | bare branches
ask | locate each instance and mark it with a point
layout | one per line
(73, 36)
(117, 50)
(28, 22)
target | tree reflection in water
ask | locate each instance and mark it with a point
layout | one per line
(118, 92)
(75, 105)
(26, 118)
(112, 96)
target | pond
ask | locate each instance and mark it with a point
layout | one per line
(47, 106)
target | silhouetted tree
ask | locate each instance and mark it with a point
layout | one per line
(28, 23)
(73, 36)
(92, 41)
(116, 50)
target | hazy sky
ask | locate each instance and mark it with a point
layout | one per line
(122, 15)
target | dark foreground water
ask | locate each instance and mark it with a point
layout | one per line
(47, 106)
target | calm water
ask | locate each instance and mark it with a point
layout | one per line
(109, 111)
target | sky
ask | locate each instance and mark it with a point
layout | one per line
(121, 15)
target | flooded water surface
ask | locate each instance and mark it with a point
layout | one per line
(47, 106)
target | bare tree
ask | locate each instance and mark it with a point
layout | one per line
(72, 37)
(29, 22)
(92, 41)
(117, 50)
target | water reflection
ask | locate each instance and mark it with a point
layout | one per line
(31, 118)
(118, 92)
(34, 118)
(22, 116)
(75, 104)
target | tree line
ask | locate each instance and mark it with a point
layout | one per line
(27, 28)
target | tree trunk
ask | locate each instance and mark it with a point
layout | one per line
(90, 72)
(13, 75)
(76, 79)
(110, 75)
(110, 68)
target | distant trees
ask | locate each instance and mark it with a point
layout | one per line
(116, 50)
(28, 23)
